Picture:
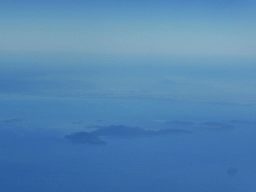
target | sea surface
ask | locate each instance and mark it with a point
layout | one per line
(217, 153)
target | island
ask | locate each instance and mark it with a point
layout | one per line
(117, 131)
(83, 138)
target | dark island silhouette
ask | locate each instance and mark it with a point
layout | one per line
(83, 138)
(116, 131)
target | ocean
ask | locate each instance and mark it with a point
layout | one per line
(214, 152)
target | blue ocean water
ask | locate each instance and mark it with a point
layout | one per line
(217, 154)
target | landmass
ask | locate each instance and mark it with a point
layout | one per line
(117, 131)
(83, 138)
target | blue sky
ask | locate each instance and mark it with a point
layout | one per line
(182, 50)
(129, 27)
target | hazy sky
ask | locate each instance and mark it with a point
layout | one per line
(179, 49)
(175, 27)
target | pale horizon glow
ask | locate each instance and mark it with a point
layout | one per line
(177, 28)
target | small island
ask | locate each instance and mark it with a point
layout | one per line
(117, 131)
(84, 137)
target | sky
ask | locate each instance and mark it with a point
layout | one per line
(183, 27)
(183, 50)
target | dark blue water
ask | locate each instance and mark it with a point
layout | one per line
(35, 156)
